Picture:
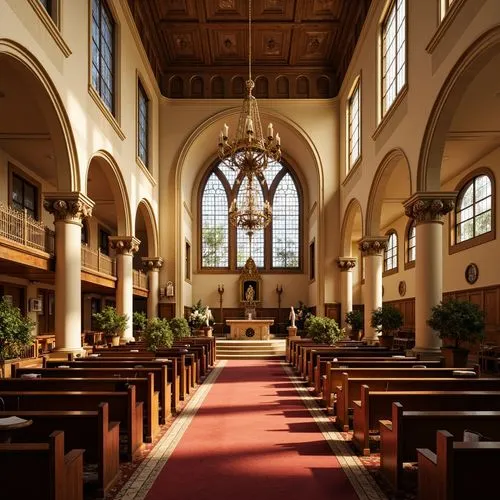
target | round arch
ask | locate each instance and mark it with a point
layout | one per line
(113, 175)
(146, 210)
(472, 61)
(193, 160)
(353, 209)
(53, 110)
(394, 159)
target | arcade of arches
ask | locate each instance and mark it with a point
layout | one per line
(386, 193)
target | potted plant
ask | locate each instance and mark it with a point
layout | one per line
(111, 324)
(180, 328)
(139, 322)
(457, 323)
(198, 317)
(355, 320)
(387, 320)
(158, 334)
(15, 332)
(323, 330)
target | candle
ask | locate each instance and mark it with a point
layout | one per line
(278, 139)
(226, 130)
(221, 137)
(270, 130)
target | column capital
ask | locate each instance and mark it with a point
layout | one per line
(152, 263)
(68, 207)
(373, 245)
(346, 263)
(430, 206)
(125, 245)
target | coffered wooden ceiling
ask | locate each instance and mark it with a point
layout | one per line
(199, 48)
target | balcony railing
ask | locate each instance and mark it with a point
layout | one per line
(95, 260)
(140, 279)
(18, 226)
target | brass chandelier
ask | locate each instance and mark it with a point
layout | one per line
(249, 152)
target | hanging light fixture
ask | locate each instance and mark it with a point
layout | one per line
(249, 152)
(249, 216)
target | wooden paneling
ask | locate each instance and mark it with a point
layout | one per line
(166, 310)
(488, 300)
(407, 308)
(333, 311)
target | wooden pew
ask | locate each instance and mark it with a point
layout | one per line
(350, 389)
(458, 470)
(333, 376)
(49, 473)
(123, 407)
(133, 360)
(320, 364)
(375, 406)
(164, 370)
(89, 430)
(409, 430)
(145, 392)
(306, 356)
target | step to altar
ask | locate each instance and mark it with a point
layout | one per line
(251, 349)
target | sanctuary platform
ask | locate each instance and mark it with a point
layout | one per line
(251, 349)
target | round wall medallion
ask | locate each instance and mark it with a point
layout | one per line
(471, 273)
(402, 288)
(250, 332)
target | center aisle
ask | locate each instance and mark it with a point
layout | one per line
(252, 438)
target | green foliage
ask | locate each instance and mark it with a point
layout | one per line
(110, 322)
(387, 319)
(214, 246)
(457, 321)
(323, 330)
(355, 319)
(139, 320)
(158, 334)
(15, 331)
(180, 328)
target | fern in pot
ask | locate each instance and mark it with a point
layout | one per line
(387, 320)
(180, 328)
(158, 334)
(111, 323)
(355, 320)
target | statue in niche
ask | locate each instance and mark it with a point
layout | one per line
(250, 293)
(291, 317)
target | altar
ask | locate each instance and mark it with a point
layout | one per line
(249, 329)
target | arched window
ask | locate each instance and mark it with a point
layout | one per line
(391, 254)
(278, 246)
(473, 213)
(412, 241)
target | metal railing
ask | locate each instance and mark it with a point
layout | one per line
(140, 279)
(95, 260)
(17, 225)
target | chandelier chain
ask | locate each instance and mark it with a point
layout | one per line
(250, 40)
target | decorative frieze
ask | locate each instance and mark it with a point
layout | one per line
(430, 206)
(373, 245)
(346, 263)
(125, 245)
(152, 263)
(68, 207)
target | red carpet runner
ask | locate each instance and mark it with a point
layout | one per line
(252, 439)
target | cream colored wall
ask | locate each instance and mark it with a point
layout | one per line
(189, 133)
(426, 74)
(91, 129)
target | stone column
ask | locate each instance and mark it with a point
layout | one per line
(68, 209)
(346, 265)
(153, 265)
(372, 249)
(125, 247)
(428, 210)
